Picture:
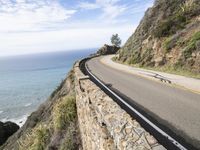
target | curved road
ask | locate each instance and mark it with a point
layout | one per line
(176, 108)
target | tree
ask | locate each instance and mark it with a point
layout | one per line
(115, 40)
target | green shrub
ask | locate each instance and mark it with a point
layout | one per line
(64, 112)
(195, 37)
(114, 58)
(69, 142)
(168, 44)
(198, 45)
(178, 64)
(191, 45)
(135, 58)
(182, 16)
(40, 138)
(170, 26)
(187, 52)
(36, 139)
(163, 28)
(181, 42)
(147, 55)
(190, 8)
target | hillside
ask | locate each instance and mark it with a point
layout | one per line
(53, 125)
(167, 37)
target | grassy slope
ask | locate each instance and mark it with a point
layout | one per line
(63, 122)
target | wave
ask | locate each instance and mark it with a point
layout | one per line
(28, 104)
(1, 111)
(20, 121)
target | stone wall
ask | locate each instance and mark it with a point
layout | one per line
(103, 124)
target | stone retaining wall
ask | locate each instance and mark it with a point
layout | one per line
(103, 124)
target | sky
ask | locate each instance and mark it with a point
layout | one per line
(34, 26)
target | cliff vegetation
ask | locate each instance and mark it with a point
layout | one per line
(167, 38)
(53, 125)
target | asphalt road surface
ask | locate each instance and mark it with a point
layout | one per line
(176, 108)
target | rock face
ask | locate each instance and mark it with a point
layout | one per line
(6, 130)
(107, 49)
(168, 35)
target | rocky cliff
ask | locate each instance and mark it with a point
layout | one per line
(168, 36)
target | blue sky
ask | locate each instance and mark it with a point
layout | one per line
(32, 26)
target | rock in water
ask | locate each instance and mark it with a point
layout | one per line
(6, 130)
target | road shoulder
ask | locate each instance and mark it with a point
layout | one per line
(178, 81)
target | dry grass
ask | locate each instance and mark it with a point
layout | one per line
(63, 115)
(36, 140)
(64, 112)
(167, 69)
(187, 6)
(173, 70)
(68, 141)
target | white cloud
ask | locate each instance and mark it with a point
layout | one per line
(87, 5)
(31, 16)
(110, 8)
(68, 39)
(32, 26)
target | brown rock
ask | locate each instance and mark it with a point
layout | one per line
(107, 49)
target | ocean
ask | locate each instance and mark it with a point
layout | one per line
(26, 81)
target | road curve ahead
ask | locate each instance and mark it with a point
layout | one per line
(175, 108)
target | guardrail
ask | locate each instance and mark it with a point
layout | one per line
(163, 138)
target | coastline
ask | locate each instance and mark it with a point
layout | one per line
(19, 121)
(26, 86)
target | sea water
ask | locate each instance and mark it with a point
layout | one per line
(27, 81)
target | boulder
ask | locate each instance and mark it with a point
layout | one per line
(107, 49)
(6, 130)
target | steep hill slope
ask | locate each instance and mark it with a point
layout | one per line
(53, 125)
(168, 36)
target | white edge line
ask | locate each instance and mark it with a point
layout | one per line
(181, 147)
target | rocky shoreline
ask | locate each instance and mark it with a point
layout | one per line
(6, 130)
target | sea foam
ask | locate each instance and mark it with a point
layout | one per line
(28, 104)
(20, 121)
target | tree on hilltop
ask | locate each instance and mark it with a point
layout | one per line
(115, 40)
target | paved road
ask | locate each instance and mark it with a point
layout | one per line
(182, 81)
(179, 108)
